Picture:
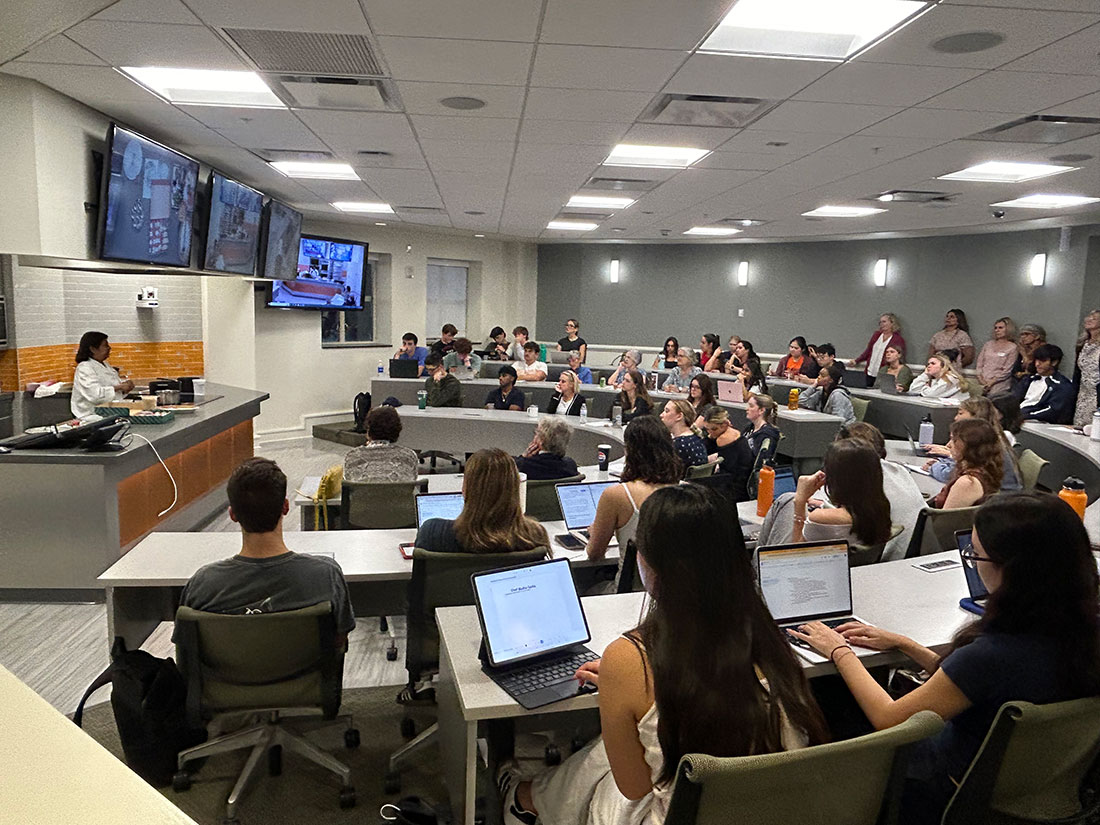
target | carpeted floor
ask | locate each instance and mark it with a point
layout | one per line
(305, 793)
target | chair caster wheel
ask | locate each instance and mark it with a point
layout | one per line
(181, 781)
(391, 784)
(275, 760)
(408, 728)
(383, 624)
(576, 744)
(553, 755)
(351, 738)
(391, 654)
(230, 821)
(347, 797)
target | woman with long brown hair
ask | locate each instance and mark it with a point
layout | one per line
(942, 464)
(633, 397)
(979, 465)
(492, 520)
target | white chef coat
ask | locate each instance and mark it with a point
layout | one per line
(93, 386)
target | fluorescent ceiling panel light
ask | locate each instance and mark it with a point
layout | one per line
(599, 201)
(823, 29)
(613, 271)
(880, 272)
(1003, 171)
(364, 206)
(314, 169)
(712, 231)
(663, 157)
(1037, 269)
(743, 273)
(842, 212)
(209, 87)
(577, 226)
(1048, 201)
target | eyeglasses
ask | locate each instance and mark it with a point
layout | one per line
(971, 559)
(570, 326)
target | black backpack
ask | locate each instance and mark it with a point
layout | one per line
(361, 406)
(149, 698)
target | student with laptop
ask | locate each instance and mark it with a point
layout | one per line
(1038, 641)
(979, 465)
(545, 456)
(692, 560)
(492, 520)
(942, 464)
(894, 377)
(411, 352)
(461, 362)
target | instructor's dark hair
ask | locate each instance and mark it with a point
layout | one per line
(88, 342)
(256, 491)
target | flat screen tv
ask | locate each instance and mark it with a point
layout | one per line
(232, 226)
(282, 233)
(149, 192)
(330, 276)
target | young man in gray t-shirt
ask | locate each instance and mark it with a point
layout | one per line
(266, 577)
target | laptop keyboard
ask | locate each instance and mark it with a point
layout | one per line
(831, 623)
(543, 674)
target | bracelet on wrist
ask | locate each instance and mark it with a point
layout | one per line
(799, 519)
(832, 653)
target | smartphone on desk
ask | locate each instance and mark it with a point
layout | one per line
(406, 549)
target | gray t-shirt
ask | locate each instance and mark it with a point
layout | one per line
(290, 581)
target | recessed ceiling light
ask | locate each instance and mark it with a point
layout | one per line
(479, 236)
(665, 157)
(821, 29)
(464, 104)
(712, 231)
(842, 212)
(600, 201)
(886, 197)
(1004, 171)
(315, 170)
(364, 206)
(618, 229)
(379, 223)
(576, 226)
(209, 87)
(1048, 201)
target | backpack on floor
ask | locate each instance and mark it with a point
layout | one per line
(360, 407)
(149, 699)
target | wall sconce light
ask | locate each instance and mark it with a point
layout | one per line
(613, 271)
(880, 272)
(743, 273)
(1037, 270)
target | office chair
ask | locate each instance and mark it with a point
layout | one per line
(542, 500)
(935, 530)
(429, 462)
(704, 470)
(859, 407)
(374, 505)
(280, 665)
(862, 554)
(438, 580)
(760, 787)
(1038, 764)
(1031, 467)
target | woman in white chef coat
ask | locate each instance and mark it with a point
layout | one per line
(95, 383)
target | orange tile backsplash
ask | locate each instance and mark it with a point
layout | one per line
(140, 360)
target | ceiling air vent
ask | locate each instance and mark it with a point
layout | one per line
(1041, 129)
(621, 184)
(328, 92)
(707, 110)
(912, 196)
(275, 155)
(420, 208)
(311, 53)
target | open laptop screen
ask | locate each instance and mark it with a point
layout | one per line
(578, 502)
(806, 581)
(529, 610)
(785, 482)
(437, 505)
(964, 540)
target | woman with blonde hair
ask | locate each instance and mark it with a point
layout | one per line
(679, 416)
(725, 440)
(492, 520)
(997, 357)
(939, 379)
(1086, 370)
(887, 335)
(566, 400)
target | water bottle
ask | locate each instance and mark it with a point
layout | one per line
(1094, 433)
(792, 400)
(617, 415)
(1073, 493)
(927, 430)
(765, 489)
(381, 370)
(584, 413)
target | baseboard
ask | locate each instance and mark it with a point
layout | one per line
(306, 427)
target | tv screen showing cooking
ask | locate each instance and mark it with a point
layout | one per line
(233, 226)
(330, 276)
(282, 233)
(150, 198)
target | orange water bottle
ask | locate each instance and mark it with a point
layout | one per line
(792, 400)
(765, 489)
(1072, 493)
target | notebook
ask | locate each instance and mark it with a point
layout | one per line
(437, 505)
(578, 508)
(533, 630)
(732, 391)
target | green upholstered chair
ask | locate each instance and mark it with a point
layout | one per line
(1031, 466)
(861, 554)
(859, 407)
(374, 505)
(542, 499)
(935, 530)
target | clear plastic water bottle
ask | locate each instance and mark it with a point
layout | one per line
(381, 369)
(1094, 433)
(927, 431)
(584, 412)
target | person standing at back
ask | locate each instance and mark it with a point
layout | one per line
(998, 354)
(955, 336)
(887, 334)
(1086, 370)
(572, 342)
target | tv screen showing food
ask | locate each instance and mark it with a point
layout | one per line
(282, 232)
(233, 226)
(150, 201)
(330, 276)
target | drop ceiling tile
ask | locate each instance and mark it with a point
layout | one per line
(290, 136)
(403, 186)
(1075, 54)
(823, 118)
(149, 11)
(734, 76)
(498, 164)
(95, 86)
(653, 24)
(436, 150)
(229, 117)
(423, 98)
(462, 19)
(789, 145)
(1047, 5)
(60, 49)
(884, 84)
(1024, 31)
(437, 127)
(633, 172)
(562, 131)
(404, 156)
(457, 61)
(946, 124)
(426, 218)
(1004, 91)
(595, 67)
(742, 160)
(339, 190)
(553, 156)
(147, 44)
(660, 134)
(588, 104)
(340, 16)
(361, 127)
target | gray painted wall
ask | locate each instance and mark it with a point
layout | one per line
(823, 291)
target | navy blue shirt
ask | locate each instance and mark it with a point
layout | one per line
(498, 402)
(691, 449)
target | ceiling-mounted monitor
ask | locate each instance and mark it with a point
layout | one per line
(281, 236)
(330, 276)
(232, 226)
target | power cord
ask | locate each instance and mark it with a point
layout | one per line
(175, 490)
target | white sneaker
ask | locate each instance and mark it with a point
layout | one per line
(508, 780)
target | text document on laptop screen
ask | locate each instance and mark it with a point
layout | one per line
(806, 581)
(445, 505)
(530, 610)
(578, 502)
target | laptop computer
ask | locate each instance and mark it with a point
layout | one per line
(889, 388)
(437, 505)
(578, 508)
(732, 391)
(556, 357)
(975, 602)
(533, 631)
(404, 368)
(804, 583)
(785, 481)
(917, 449)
